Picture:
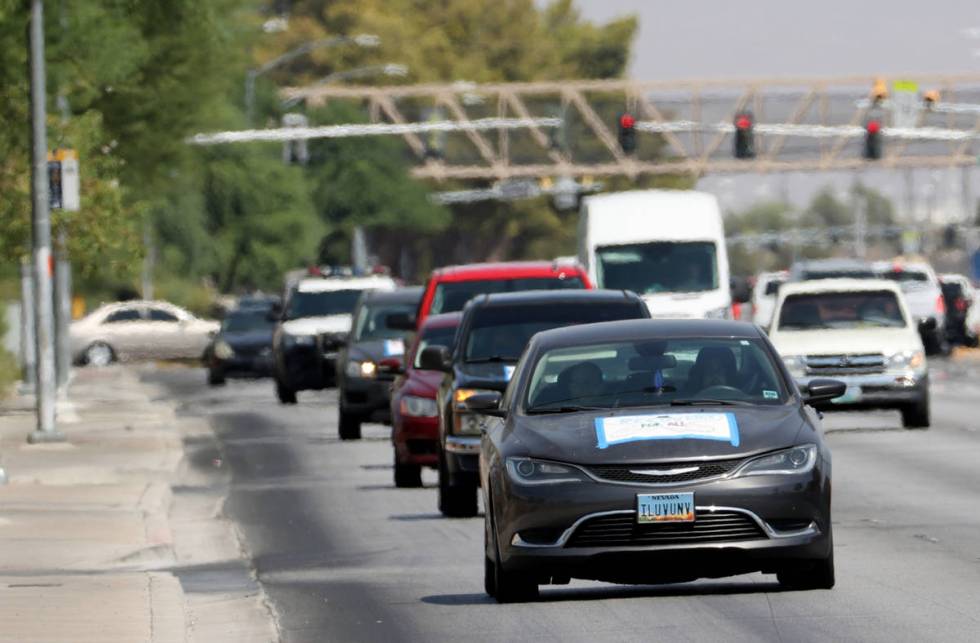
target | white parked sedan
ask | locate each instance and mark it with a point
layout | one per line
(134, 330)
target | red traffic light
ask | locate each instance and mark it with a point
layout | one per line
(873, 127)
(626, 121)
(743, 122)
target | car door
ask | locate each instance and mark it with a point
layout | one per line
(165, 334)
(122, 329)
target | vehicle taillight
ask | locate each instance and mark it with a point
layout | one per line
(940, 305)
(961, 304)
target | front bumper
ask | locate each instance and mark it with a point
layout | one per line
(544, 529)
(370, 398)
(243, 364)
(306, 367)
(462, 454)
(882, 391)
(416, 440)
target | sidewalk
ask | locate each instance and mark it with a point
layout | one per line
(95, 545)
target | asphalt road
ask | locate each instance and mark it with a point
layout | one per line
(344, 556)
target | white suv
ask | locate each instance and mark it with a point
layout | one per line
(924, 296)
(858, 331)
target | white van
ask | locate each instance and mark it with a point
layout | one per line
(668, 246)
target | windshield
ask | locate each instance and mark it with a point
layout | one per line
(907, 279)
(372, 321)
(655, 372)
(813, 275)
(321, 304)
(499, 333)
(663, 266)
(451, 296)
(434, 337)
(245, 321)
(841, 310)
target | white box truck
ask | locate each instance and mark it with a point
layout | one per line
(668, 246)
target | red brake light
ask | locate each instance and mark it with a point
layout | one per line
(961, 304)
(940, 305)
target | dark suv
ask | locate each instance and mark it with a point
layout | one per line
(370, 359)
(492, 335)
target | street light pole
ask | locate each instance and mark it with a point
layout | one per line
(361, 40)
(45, 392)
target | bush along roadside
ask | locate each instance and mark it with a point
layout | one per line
(9, 370)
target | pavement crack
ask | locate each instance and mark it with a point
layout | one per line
(772, 618)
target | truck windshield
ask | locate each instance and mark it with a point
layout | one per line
(321, 304)
(660, 266)
(821, 311)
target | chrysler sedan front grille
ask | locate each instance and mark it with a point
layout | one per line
(669, 473)
(622, 530)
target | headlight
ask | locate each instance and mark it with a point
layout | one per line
(791, 461)
(530, 471)
(468, 423)
(419, 407)
(725, 312)
(795, 364)
(298, 340)
(222, 350)
(366, 370)
(907, 359)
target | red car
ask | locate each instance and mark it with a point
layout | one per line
(414, 415)
(450, 288)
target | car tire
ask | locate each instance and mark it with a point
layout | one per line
(916, 416)
(99, 354)
(285, 394)
(503, 585)
(216, 377)
(407, 476)
(455, 501)
(817, 575)
(348, 425)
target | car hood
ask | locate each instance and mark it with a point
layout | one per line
(377, 350)
(493, 376)
(317, 325)
(423, 383)
(250, 338)
(573, 438)
(855, 341)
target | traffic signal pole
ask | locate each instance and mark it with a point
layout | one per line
(45, 390)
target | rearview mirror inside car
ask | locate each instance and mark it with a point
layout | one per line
(400, 321)
(485, 403)
(824, 390)
(436, 358)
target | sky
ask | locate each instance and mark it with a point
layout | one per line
(766, 38)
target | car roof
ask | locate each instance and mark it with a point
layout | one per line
(507, 269)
(411, 295)
(325, 284)
(549, 297)
(633, 329)
(444, 320)
(838, 285)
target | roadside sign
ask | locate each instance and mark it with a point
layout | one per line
(905, 104)
(64, 181)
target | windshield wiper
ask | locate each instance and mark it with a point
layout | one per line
(564, 409)
(710, 402)
(492, 359)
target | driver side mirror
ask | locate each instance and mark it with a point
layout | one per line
(824, 390)
(400, 321)
(927, 325)
(436, 358)
(275, 312)
(486, 404)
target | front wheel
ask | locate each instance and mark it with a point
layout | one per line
(916, 416)
(216, 377)
(455, 500)
(407, 476)
(285, 394)
(505, 586)
(348, 426)
(818, 575)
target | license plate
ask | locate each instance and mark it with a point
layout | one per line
(664, 507)
(851, 394)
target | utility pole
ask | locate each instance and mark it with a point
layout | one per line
(46, 430)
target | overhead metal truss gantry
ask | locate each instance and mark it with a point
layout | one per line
(568, 128)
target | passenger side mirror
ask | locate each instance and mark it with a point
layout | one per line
(275, 312)
(485, 403)
(400, 321)
(927, 325)
(436, 358)
(824, 390)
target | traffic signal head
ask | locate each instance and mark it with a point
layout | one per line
(879, 91)
(627, 132)
(744, 136)
(872, 139)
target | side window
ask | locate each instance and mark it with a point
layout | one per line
(123, 315)
(161, 315)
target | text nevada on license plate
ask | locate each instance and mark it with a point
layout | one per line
(664, 507)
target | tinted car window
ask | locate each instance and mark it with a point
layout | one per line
(245, 321)
(952, 290)
(655, 372)
(812, 275)
(499, 333)
(321, 304)
(158, 314)
(434, 337)
(841, 310)
(772, 288)
(662, 266)
(124, 315)
(372, 324)
(451, 296)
